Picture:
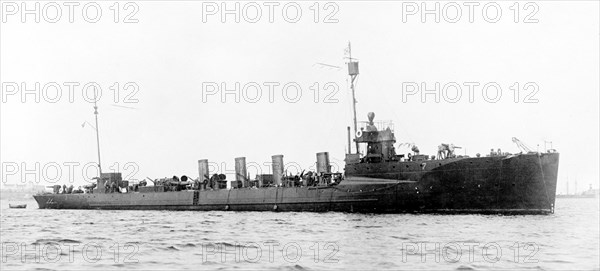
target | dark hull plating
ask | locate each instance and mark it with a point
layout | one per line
(520, 184)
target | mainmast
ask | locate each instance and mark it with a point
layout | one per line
(97, 133)
(353, 72)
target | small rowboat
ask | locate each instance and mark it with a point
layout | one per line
(17, 205)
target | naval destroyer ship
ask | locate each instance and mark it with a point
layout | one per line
(375, 180)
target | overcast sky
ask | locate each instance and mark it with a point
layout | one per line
(175, 53)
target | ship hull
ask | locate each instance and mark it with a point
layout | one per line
(521, 184)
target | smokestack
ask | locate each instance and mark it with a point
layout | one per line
(277, 168)
(203, 170)
(323, 163)
(240, 170)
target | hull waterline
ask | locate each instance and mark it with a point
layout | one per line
(517, 184)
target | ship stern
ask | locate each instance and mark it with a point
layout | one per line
(42, 200)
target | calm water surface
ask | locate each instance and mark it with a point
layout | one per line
(34, 239)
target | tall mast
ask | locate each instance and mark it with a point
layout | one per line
(97, 133)
(353, 72)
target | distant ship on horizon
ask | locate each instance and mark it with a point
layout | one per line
(590, 193)
(10, 191)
